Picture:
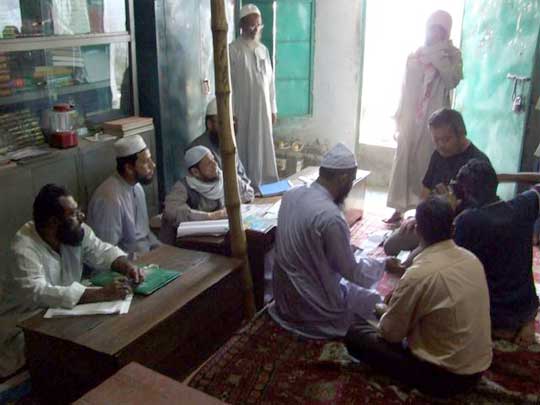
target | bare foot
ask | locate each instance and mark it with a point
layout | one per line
(503, 334)
(525, 336)
(395, 218)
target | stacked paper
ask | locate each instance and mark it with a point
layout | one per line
(214, 227)
(97, 308)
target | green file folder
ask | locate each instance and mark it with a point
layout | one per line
(154, 279)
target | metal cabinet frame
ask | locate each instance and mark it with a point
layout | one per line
(51, 42)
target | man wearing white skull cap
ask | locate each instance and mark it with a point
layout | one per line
(117, 211)
(200, 195)
(319, 287)
(210, 139)
(430, 75)
(254, 98)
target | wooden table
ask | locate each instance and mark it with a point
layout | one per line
(171, 331)
(135, 384)
(258, 244)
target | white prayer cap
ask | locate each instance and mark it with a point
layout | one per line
(249, 9)
(339, 157)
(211, 108)
(194, 155)
(129, 145)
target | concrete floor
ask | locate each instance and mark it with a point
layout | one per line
(375, 201)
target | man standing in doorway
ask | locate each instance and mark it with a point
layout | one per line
(254, 98)
(431, 73)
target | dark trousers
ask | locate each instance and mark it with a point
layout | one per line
(364, 343)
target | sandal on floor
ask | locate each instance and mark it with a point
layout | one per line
(394, 219)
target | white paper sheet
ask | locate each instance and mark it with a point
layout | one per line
(97, 308)
(373, 241)
(403, 255)
(214, 227)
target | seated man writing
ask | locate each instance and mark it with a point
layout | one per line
(440, 306)
(200, 195)
(49, 255)
(452, 150)
(319, 288)
(500, 234)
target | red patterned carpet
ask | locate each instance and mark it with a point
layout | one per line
(264, 364)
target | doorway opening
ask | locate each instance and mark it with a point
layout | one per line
(393, 30)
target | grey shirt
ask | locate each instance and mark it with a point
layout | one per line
(184, 204)
(118, 215)
(319, 287)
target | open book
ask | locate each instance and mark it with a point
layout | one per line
(256, 217)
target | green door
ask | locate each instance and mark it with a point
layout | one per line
(498, 38)
(288, 35)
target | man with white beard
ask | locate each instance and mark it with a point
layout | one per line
(254, 98)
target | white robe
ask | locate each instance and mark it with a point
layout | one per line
(118, 215)
(431, 73)
(42, 278)
(254, 102)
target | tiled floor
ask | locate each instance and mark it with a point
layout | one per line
(376, 202)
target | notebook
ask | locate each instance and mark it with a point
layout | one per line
(272, 189)
(154, 279)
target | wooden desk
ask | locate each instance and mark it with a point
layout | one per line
(171, 331)
(135, 384)
(258, 244)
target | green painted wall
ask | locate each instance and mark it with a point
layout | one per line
(498, 37)
(288, 35)
(294, 57)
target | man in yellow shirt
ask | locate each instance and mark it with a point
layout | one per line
(436, 332)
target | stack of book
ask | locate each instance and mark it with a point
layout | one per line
(70, 57)
(5, 76)
(128, 126)
(19, 129)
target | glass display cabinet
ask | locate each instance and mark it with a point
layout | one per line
(75, 52)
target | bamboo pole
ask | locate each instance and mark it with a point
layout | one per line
(227, 148)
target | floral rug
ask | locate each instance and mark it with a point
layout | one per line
(264, 364)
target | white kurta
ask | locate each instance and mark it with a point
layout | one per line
(254, 101)
(42, 278)
(431, 73)
(319, 288)
(118, 215)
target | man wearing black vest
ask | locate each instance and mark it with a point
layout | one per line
(199, 196)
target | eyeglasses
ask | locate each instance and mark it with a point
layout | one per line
(255, 26)
(78, 215)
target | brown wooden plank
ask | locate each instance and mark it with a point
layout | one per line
(110, 333)
(135, 384)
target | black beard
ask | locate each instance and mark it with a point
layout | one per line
(68, 235)
(145, 180)
(214, 137)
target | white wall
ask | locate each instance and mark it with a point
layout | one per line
(337, 73)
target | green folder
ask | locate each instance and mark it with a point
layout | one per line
(154, 279)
